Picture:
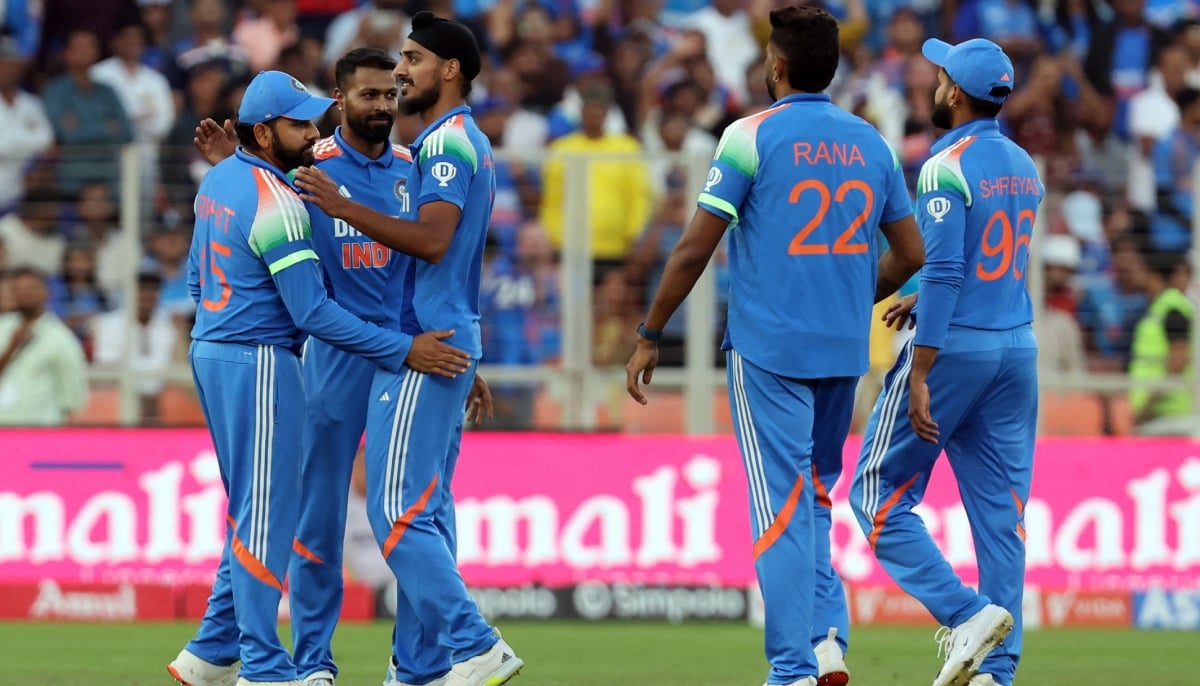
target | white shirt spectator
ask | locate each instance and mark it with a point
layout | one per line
(28, 248)
(25, 133)
(151, 353)
(1152, 114)
(145, 95)
(360, 22)
(46, 379)
(731, 46)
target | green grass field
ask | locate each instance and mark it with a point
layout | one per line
(612, 654)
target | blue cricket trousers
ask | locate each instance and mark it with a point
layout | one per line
(338, 386)
(983, 395)
(414, 427)
(791, 433)
(252, 396)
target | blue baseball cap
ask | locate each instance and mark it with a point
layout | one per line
(275, 94)
(978, 66)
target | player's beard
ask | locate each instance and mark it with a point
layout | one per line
(374, 128)
(417, 101)
(290, 159)
(941, 116)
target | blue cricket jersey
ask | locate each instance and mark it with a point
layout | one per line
(358, 268)
(452, 162)
(977, 199)
(254, 274)
(804, 185)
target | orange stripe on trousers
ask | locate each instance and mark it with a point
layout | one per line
(251, 563)
(773, 532)
(881, 515)
(1020, 513)
(410, 514)
(823, 498)
(303, 551)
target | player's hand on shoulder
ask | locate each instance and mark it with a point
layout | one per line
(214, 141)
(900, 312)
(642, 363)
(479, 403)
(316, 187)
(430, 355)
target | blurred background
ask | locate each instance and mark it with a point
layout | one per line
(604, 114)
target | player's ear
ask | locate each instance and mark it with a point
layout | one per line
(340, 97)
(263, 135)
(450, 69)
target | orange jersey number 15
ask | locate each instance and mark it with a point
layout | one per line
(209, 263)
(801, 245)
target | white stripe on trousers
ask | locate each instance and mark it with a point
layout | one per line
(756, 476)
(889, 410)
(264, 439)
(397, 455)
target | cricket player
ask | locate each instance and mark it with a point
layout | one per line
(802, 188)
(254, 275)
(415, 419)
(968, 378)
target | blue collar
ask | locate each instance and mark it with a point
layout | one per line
(259, 162)
(982, 128)
(433, 126)
(802, 97)
(384, 160)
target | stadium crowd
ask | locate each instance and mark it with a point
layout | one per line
(1107, 94)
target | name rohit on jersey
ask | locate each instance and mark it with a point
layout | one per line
(1009, 185)
(209, 208)
(827, 152)
(359, 254)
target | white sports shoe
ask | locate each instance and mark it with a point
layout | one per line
(243, 682)
(984, 680)
(968, 643)
(321, 678)
(831, 662)
(493, 668)
(807, 681)
(393, 680)
(190, 670)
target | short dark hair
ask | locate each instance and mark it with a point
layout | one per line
(245, 133)
(1186, 98)
(149, 279)
(1164, 263)
(983, 108)
(808, 38)
(26, 270)
(369, 58)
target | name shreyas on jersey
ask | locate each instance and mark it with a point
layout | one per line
(1009, 185)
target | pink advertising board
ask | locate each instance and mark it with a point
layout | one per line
(147, 506)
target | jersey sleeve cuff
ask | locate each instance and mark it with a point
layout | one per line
(719, 207)
(434, 197)
(290, 259)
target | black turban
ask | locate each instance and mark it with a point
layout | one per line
(449, 40)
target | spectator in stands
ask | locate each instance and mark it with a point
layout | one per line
(363, 24)
(265, 36)
(676, 135)
(96, 213)
(63, 18)
(6, 295)
(1153, 115)
(89, 121)
(25, 133)
(156, 20)
(1041, 118)
(1162, 350)
(1060, 341)
(1119, 57)
(564, 118)
(1174, 159)
(32, 234)
(1112, 307)
(209, 42)
(182, 166)
(145, 96)
(75, 295)
(618, 190)
(730, 41)
(42, 367)
(151, 348)
(167, 259)
(507, 300)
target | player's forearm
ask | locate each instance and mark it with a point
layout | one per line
(683, 269)
(922, 361)
(892, 275)
(414, 238)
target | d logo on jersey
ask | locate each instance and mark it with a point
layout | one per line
(714, 177)
(443, 172)
(938, 208)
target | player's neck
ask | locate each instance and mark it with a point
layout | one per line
(965, 118)
(362, 145)
(439, 110)
(783, 90)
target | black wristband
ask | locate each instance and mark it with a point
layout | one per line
(649, 334)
